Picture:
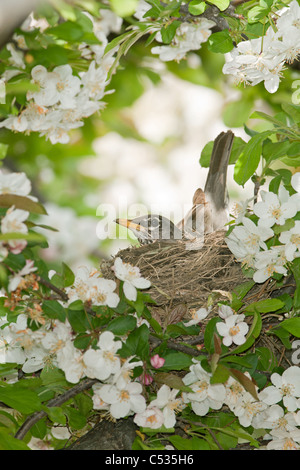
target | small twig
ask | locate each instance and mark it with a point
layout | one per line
(155, 342)
(58, 401)
(52, 287)
(62, 294)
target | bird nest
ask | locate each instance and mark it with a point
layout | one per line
(189, 277)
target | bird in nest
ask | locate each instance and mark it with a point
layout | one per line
(208, 213)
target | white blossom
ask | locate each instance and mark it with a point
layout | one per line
(269, 262)
(14, 183)
(89, 287)
(197, 316)
(274, 417)
(152, 417)
(169, 403)
(274, 209)
(251, 236)
(123, 401)
(233, 330)
(291, 240)
(205, 395)
(285, 387)
(188, 36)
(17, 278)
(103, 362)
(284, 440)
(132, 278)
(246, 408)
(60, 85)
(13, 222)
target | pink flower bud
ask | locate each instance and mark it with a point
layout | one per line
(157, 361)
(145, 379)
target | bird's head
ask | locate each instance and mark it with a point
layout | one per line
(151, 227)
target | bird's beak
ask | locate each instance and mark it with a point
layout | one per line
(131, 225)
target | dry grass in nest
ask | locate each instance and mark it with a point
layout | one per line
(181, 276)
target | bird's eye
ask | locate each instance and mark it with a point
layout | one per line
(154, 222)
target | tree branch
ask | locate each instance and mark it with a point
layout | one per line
(58, 401)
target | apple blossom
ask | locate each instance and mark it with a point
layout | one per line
(89, 287)
(271, 210)
(233, 330)
(197, 316)
(285, 387)
(17, 278)
(104, 361)
(169, 403)
(152, 417)
(269, 262)
(13, 222)
(284, 440)
(251, 236)
(291, 240)
(274, 417)
(123, 401)
(14, 183)
(132, 278)
(205, 395)
(246, 408)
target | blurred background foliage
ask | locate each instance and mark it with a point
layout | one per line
(144, 146)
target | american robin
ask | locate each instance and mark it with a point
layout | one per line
(151, 227)
(209, 211)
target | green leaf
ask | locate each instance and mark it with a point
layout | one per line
(247, 383)
(257, 13)
(274, 150)
(221, 4)
(209, 334)
(180, 329)
(53, 379)
(67, 275)
(122, 8)
(283, 335)
(265, 306)
(172, 380)
(292, 325)
(175, 360)
(31, 237)
(137, 343)
(21, 202)
(20, 398)
(121, 325)
(195, 443)
(220, 42)
(289, 223)
(248, 160)
(75, 419)
(8, 442)
(236, 113)
(54, 309)
(168, 32)
(56, 415)
(3, 150)
(292, 110)
(220, 374)
(39, 429)
(295, 268)
(79, 320)
(197, 7)
(68, 31)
